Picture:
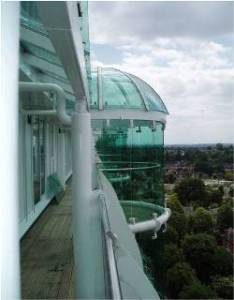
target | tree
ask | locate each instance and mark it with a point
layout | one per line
(223, 262)
(225, 216)
(216, 196)
(199, 250)
(218, 167)
(223, 286)
(174, 204)
(219, 146)
(179, 222)
(191, 190)
(171, 235)
(178, 219)
(196, 290)
(172, 255)
(231, 192)
(204, 165)
(221, 189)
(177, 277)
(228, 176)
(201, 221)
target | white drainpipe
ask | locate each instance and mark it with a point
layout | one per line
(154, 224)
(49, 87)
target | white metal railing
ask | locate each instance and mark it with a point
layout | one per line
(154, 224)
(110, 239)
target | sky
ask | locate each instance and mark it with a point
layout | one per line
(184, 50)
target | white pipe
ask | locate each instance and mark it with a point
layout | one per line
(10, 274)
(154, 224)
(49, 87)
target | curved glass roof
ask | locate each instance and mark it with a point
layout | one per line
(114, 89)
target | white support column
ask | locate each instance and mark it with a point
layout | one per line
(86, 217)
(10, 283)
(81, 196)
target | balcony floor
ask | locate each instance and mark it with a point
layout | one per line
(47, 254)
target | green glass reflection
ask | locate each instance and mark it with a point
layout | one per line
(119, 91)
(152, 99)
(41, 53)
(131, 157)
(29, 17)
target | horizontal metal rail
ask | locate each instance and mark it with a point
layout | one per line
(134, 166)
(110, 240)
(153, 224)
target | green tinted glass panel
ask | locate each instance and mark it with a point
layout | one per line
(132, 159)
(119, 91)
(30, 17)
(152, 99)
(40, 53)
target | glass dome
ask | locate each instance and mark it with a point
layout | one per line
(113, 89)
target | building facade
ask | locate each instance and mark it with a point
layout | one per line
(104, 128)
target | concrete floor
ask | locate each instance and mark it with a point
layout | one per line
(47, 254)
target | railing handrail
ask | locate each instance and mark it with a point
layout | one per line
(110, 245)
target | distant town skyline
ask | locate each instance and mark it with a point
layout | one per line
(183, 50)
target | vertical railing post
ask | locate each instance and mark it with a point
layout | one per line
(10, 274)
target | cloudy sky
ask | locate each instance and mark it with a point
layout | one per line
(183, 50)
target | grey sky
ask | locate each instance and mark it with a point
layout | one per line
(183, 49)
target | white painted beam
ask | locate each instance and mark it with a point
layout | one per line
(128, 114)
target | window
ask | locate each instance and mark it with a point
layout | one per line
(38, 148)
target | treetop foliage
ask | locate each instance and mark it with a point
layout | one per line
(172, 255)
(174, 204)
(201, 221)
(178, 276)
(197, 266)
(224, 286)
(225, 216)
(196, 290)
(191, 190)
(199, 250)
